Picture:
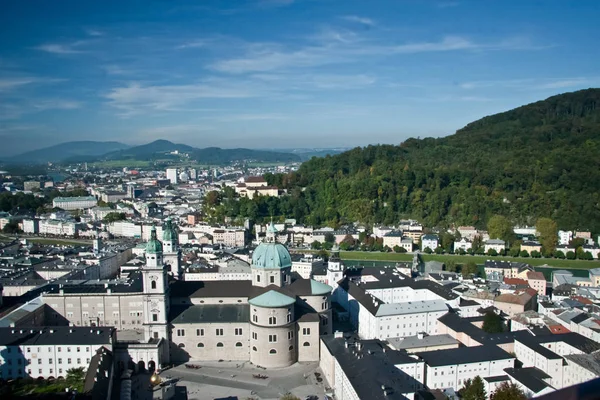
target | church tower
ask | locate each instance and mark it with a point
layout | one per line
(156, 296)
(172, 253)
(335, 269)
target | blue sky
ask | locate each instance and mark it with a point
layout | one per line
(281, 73)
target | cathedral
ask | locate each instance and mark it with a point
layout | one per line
(272, 321)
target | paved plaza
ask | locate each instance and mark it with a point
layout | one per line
(228, 380)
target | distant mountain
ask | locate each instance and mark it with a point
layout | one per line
(148, 151)
(216, 155)
(66, 151)
(308, 153)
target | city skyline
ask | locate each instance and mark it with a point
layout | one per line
(280, 73)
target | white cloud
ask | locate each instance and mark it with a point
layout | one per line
(136, 98)
(94, 32)
(58, 49)
(333, 49)
(533, 83)
(193, 44)
(360, 20)
(57, 104)
(11, 83)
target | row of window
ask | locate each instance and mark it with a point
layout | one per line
(40, 361)
(238, 344)
(218, 332)
(272, 320)
(286, 278)
(9, 373)
(39, 349)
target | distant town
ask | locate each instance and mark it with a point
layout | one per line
(124, 281)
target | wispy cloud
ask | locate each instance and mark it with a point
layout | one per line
(360, 20)
(137, 98)
(533, 83)
(275, 3)
(193, 44)
(12, 83)
(447, 4)
(94, 32)
(55, 48)
(268, 57)
(56, 104)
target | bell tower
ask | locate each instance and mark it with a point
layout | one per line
(172, 253)
(156, 296)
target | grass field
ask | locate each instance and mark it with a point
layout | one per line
(556, 263)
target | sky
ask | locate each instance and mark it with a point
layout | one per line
(281, 73)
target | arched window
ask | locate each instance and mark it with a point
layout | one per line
(181, 345)
(200, 344)
(253, 348)
(291, 348)
(289, 318)
(306, 344)
(238, 344)
(272, 320)
(220, 301)
(255, 318)
(153, 285)
(219, 344)
(272, 351)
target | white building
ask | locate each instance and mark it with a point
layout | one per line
(429, 241)
(451, 368)
(565, 237)
(74, 203)
(464, 244)
(494, 244)
(172, 175)
(50, 351)
(60, 228)
(31, 226)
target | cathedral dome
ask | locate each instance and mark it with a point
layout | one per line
(154, 245)
(271, 256)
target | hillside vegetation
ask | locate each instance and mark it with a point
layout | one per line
(541, 159)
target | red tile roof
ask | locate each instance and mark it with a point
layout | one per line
(515, 281)
(558, 329)
(536, 275)
(582, 300)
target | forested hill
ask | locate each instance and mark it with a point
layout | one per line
(542, 159)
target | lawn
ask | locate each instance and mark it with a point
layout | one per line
(556, 263)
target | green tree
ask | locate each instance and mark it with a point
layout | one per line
(570, 255)
(439, 250)
(492, 252)
(508, 391)
(474, 389)
(212, 198)
(427, 250)
(75, 378)
(559, 254)
(447, 242)
(548, 231)
(397, 249)
(499, 227)
(315, 245)
(329, 238)
(12, 227)
(535, 254)
(523, 253)
(469, 269)
(113, 217)
(451, 266)
(492, 323)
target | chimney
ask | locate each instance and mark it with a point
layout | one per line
(420, 335)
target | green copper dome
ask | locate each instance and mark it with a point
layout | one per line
(272, 299)
(169, 232)
(271, 256)
(154, 245)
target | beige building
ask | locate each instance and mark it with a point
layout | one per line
(516, 303)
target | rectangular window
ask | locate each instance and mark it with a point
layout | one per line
(272, 279)
(254, 335)
(154, 317)
(79, 361)
(219, 332)
(257, 278)
(272, 338)
(58, 349)
(60, 360)
(238, 331)
(199, 332)
(68, 361)
(180, 332)
(306, 331)
(290, 335)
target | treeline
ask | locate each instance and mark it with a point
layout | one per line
(20, 202)
(539, 160)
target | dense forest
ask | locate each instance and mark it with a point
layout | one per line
(541, 159)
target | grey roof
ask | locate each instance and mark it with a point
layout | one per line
(211, 288)
(371, 367)
(531, 377)
(56, 335)
(591, 362)
(464, 355)
(412, 342)
(209, 313)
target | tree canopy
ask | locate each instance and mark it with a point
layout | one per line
(539, 160)
(492, 323)
(508, 391)
(474, 389)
